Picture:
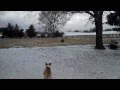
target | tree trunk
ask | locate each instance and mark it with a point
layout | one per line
(99, 30)
(53, 31)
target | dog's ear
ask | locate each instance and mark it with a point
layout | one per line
(50, 64)
(46, 64)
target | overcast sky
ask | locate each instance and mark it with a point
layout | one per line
(77, 22)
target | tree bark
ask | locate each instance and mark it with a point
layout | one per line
(99, 30)
(53, 28)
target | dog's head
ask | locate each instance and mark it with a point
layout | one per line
(48, 65)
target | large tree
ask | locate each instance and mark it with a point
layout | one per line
(16, 27)
(99, 28)
(10, 27)
(113, 19)
(52, 20)
(97, 16)
(31, 31)
(8, 31)
(12, 31)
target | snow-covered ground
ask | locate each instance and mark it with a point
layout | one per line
(68, 62)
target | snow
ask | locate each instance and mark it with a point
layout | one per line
(91, 33)
(68, 62)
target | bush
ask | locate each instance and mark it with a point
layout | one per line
(50, 35)
(58, 34)
(43, 35)
(20, 34)
(61, 34)
(62, 40)
(113, 45)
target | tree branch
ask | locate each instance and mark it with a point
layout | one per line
(90, 13)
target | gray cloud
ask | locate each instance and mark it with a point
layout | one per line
(19, 17)
(23, 19)
(79, 22)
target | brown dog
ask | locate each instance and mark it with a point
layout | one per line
(47, 72)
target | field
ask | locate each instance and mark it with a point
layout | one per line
(38, 42)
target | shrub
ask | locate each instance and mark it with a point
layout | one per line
(62, 40)
(42, 35)
(58, 34)
(113, 44)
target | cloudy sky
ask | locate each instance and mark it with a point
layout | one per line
(24, 19)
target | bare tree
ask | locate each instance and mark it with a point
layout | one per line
(97, 19)
(52, 20)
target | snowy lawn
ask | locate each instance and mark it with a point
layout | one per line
(68, 62)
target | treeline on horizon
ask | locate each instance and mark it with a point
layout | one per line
(11, 31)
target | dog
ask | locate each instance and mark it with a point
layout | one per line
(47, 72)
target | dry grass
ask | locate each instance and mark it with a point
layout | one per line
(37, 42)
